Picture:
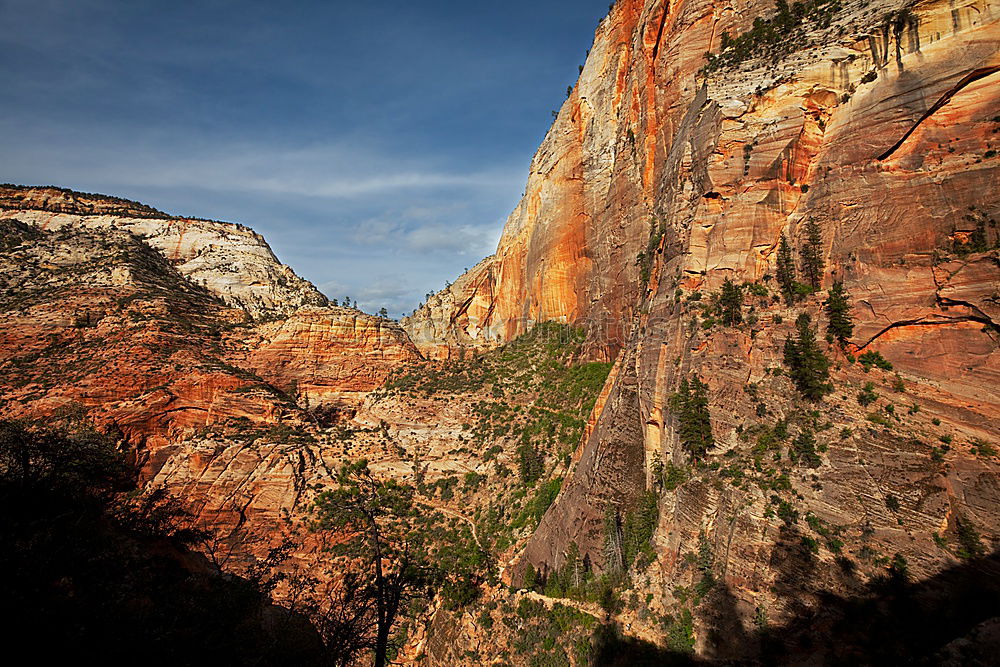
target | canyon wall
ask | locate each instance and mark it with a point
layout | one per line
(660, 179)
(160, 329)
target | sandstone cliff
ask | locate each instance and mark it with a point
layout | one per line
(325, 357)
(660, 179)
(96, 320)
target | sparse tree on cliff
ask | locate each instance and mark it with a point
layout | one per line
(812, 254)
(804, 449)
(808, 366)
(383, 313)
(690, 405)
(838, 309)
(731, 303)
(377, 519)
(786, 270)
(531, 462)
(979, 239)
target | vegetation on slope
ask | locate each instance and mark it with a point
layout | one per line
(774, 37)
(527, 403)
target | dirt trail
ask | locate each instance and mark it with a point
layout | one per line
(457, 515)
(586, 607)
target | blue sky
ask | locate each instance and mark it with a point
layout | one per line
(378, 146)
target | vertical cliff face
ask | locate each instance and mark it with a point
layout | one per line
(724, 163)
(660, 180)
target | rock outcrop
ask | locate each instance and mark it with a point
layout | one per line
(96, 320)
(229, 260)
(664, 175)
(325, 357)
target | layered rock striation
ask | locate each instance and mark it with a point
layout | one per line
(661, 178)
(97, 320)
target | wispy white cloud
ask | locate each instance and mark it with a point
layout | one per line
(324, 171)
(404, 233)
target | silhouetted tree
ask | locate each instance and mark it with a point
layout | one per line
(97, 575)
(377, 519)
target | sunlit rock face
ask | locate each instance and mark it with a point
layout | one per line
(729, 162)
(326, 355)
(116, 311)
(884, 127)
(655, 183)
(230, 260)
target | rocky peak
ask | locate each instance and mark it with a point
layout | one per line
(230, 260)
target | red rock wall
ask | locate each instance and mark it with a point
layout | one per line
(326, 355)
(890, 166)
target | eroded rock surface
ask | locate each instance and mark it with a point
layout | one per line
(229, 260)
(882, 126)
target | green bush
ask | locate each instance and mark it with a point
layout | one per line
(873, 358)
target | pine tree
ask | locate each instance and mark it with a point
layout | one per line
(731, 303)
(614, 556)
(786, 270)
(812, 254)
(804, 449)
(808, 366)
(838, 310)
(530, 577)
(531, 462)
(690, 404)
(978, 240)
(574, 566)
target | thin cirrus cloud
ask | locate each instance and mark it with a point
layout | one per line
(415, 232)
(325, 172)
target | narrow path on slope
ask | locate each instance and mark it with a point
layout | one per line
(586, 607)
(458, 515)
